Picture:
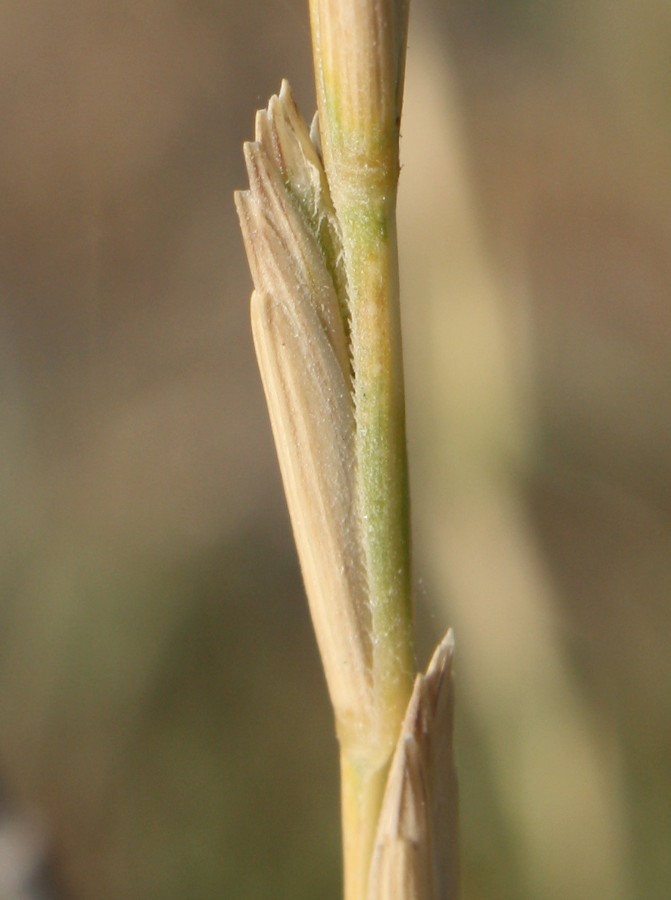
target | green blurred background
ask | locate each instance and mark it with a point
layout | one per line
(162, 707)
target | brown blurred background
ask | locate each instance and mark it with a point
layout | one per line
(163, 717)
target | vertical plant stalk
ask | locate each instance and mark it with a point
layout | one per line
(359, 55)
(319, 227)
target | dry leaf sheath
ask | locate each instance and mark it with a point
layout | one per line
(415, 855)
(300, 336)
(319, 227)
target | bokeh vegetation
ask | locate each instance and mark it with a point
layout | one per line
(162, 706)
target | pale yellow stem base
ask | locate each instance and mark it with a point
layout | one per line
(362, 788)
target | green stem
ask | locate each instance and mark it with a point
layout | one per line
(369, 238)
(359, 50)
(382, 488)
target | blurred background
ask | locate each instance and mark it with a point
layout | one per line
(164, 725)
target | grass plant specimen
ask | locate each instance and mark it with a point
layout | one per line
(320, 232)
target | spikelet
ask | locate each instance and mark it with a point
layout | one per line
(300, 335)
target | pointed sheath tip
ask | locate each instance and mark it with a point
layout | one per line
(285, 91)
(415, 856)
(442, 656)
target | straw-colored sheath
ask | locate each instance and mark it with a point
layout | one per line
(310, 409)
(300, 335)
(416, 852)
